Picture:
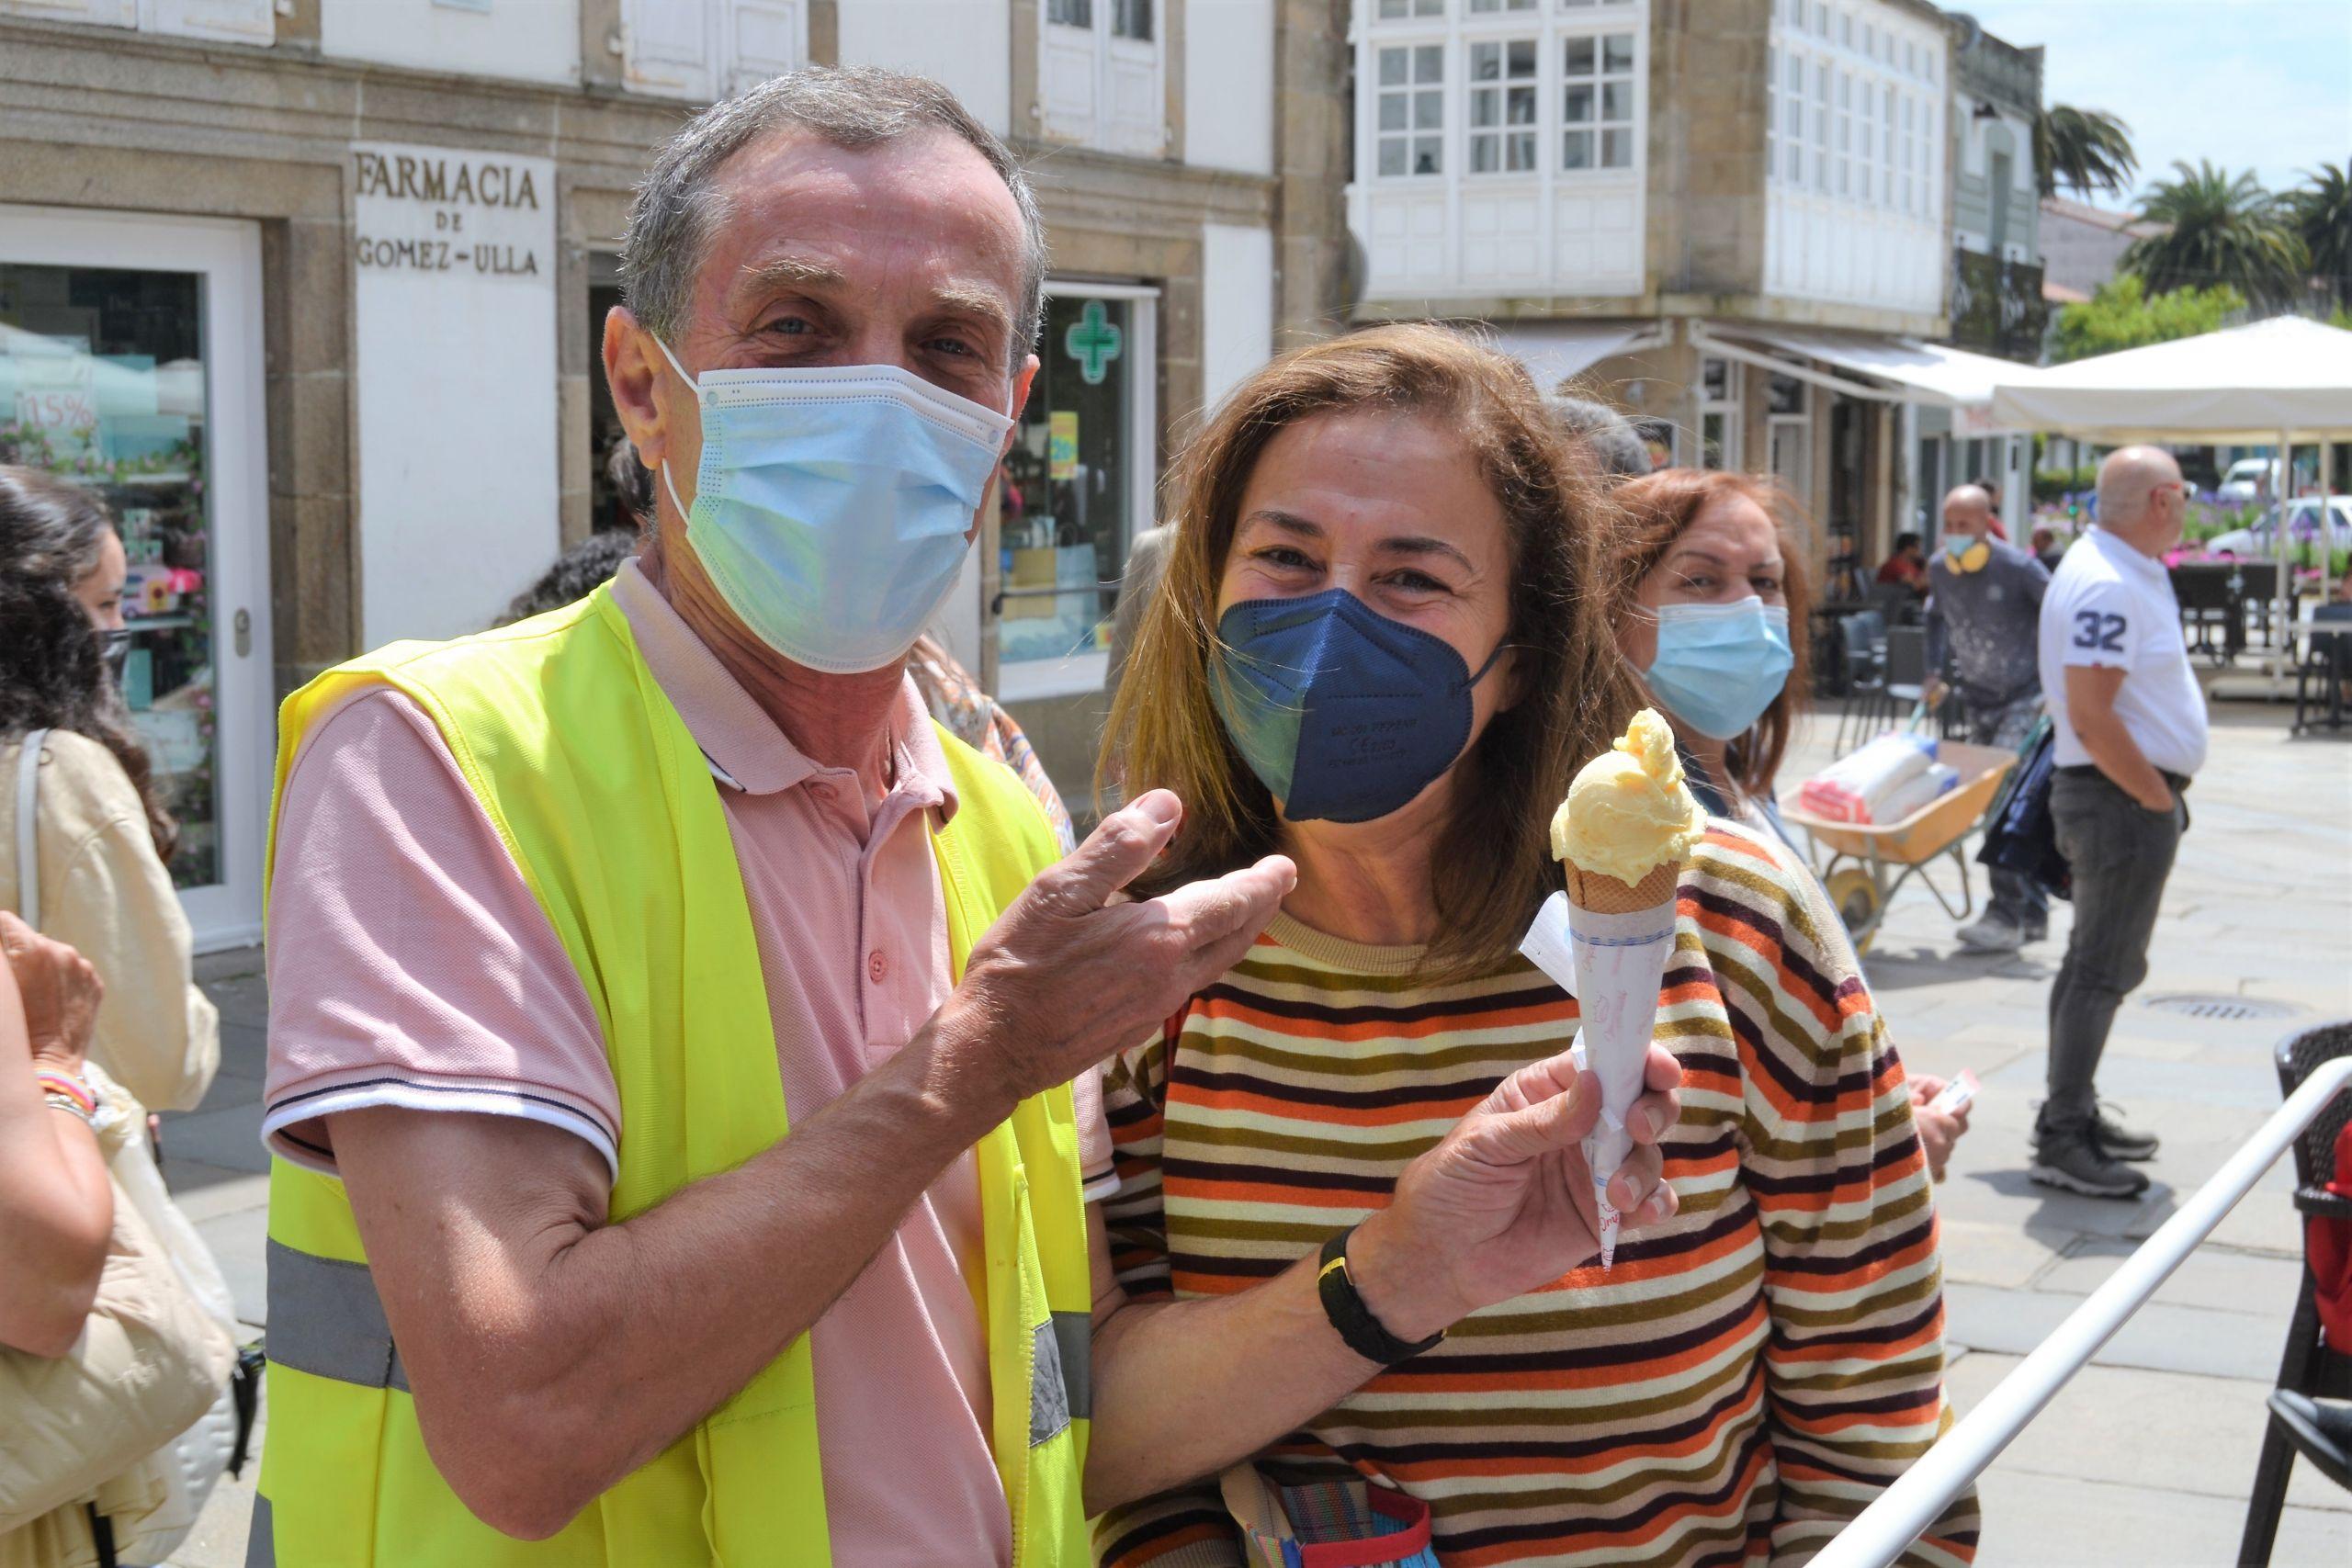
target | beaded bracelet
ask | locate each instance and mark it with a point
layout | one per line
(67, 1092)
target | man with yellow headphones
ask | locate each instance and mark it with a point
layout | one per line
(1983, 622)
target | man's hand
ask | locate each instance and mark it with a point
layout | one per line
(61, 994)
(1938, 1130)
(1505, 1204)
(1070, 974)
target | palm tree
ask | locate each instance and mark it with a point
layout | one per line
(2219, 229)
(2322, 217)
(2083, 150)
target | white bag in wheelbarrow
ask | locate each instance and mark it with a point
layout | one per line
(1854, 787)
(1913, 792)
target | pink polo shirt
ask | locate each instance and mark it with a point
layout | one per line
(410, 965)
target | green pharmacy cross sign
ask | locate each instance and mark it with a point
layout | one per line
(1093, 341)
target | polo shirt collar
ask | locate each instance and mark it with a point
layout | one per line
(746, 748)
(2124, 555)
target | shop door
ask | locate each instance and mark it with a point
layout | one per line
(1078, 486)
(130, 361)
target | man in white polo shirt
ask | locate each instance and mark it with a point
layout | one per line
(2131, 733)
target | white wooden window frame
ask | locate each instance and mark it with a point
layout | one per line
(663, 56)
(1729, 406)
(1075, 673)
(1413, 91)
(1504, 135)
(1142, 131)
(1633, 78)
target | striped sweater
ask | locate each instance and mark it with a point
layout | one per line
(1746, 1378)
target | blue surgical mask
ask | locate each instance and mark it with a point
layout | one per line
(1719, 666)
(832, 505)
(1344, 715)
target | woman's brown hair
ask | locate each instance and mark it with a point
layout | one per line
(1652, 514)
(1570, 690)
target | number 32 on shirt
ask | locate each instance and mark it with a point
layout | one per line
(2095, 630)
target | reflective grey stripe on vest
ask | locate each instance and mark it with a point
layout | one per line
(261, 1546)
(325, 1319)
(1061, 1377)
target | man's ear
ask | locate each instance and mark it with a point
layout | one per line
(633, 371)
(1023, 379)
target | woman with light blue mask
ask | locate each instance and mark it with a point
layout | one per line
(1709, 601)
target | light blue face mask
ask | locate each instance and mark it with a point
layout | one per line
(833, 505)
(1719, 666)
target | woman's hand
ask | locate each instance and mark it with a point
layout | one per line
(1505, 1204)
(61, 993)
(1938, 1130)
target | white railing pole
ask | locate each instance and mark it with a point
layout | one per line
(1904, 1510)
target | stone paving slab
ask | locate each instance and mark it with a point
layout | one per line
(2043, 1521)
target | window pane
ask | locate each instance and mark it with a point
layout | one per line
(1071, 13)
(102, 383)
(1522, 57)
(1428, 63)
(1522, 106)
(1617, 101)
(1486, 61)
(1577, 58)
(1482, 154)
(1521, 145)
(1617, 53)
(1427, 160)
(1429, 7)
(1393, 62)
(1429, 110)
(1392, 156)
(1132, 20)
(1576, 150)
(1392, 111)
(1483, 110)
(1391, 9)
(1073, 466)
(1617, 149)
(1715, 379)
(1575, 105)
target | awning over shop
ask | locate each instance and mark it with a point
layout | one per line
(1554, 351)
(1921, 372)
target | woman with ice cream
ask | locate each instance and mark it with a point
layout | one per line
(1710, 603)
(1381, 650)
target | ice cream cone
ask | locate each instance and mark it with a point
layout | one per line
(1605, 895)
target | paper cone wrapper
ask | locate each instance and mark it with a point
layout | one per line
(1620, 937)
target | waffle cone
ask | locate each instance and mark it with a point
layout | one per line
(1605, 895)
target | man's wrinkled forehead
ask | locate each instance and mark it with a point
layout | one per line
(796, 210)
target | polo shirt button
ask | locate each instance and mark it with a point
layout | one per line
(877, 965)
(823, 792)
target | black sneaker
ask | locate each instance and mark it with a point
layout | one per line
(2074, 1162)
(2118, 1141)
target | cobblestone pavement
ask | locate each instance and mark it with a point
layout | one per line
(2146, 1457)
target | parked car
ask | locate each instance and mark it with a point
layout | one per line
(2302, 513)
(2249, 478)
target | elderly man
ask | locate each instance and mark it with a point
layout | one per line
(2131, 732)
(565, 917)
(1984, 616)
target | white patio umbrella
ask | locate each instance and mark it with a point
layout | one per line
(2286, 381)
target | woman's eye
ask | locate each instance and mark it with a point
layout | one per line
(1765, 584)
(1417, 583)
(1699, 583)
(1282, 555)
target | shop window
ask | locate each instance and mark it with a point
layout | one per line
(1502, 106)
(1102, 80)
(1597, 100)
(1410, 101)
(1719, 413)
(1076, 488)
(102, 382)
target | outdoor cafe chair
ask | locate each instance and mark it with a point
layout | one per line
(2324, 653)
(2311, 1366)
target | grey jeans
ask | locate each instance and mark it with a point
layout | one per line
(2017, 897)
(2121, 853)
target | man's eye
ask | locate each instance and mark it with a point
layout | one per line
(787, 326)
(952, 345)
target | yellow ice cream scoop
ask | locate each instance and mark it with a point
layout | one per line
(1629, 811)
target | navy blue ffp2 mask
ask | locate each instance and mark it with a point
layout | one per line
(1343, 713)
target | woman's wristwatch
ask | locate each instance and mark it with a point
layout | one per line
(1344, 1305)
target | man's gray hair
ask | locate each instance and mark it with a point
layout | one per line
(1617, 448)
(676, 212)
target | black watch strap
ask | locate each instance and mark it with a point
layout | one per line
(1346, 1309)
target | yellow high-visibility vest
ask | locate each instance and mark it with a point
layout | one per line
(608, 806)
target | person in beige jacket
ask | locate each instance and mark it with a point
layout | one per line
(101, 836)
